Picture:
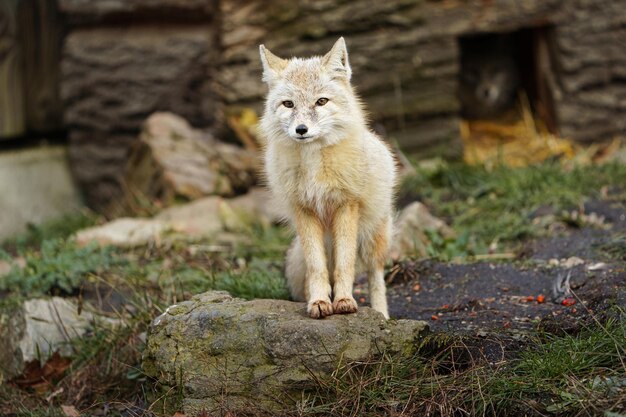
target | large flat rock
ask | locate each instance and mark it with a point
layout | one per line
(221, 351)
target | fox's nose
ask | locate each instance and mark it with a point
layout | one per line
(301, 129)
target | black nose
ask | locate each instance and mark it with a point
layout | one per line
(301, 129)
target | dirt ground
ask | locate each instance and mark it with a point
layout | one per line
(516, 296)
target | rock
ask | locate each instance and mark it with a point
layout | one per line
(207, 218)
(36, 328)
(411, 239)
(173, 161)
(113, 78)
(257, 202)
(35, 185)
(227, 352)
(124, 232)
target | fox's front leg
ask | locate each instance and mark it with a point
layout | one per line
(344, 229)
(317, 285)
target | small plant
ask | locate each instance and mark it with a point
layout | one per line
(447, 248)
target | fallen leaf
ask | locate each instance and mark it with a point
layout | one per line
(41, 378)
(568, 302)
(416, 287)
(530, 298)
(179, 414)
(434, 317)
(70, 411)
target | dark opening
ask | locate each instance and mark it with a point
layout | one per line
(496, 67)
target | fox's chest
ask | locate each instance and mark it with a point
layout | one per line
(314, 180)
(317, 181)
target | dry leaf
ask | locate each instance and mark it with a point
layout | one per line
(41, 378)
(70, 411)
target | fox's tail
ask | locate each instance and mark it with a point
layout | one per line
(295, 270)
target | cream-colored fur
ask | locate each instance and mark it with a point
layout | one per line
(336, 181)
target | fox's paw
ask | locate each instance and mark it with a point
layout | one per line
(345, 305)
(319, 309)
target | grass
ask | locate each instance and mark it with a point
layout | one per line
(498, 205)
(573, 375)
(59, 266)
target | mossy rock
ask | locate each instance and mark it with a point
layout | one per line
(217, 351)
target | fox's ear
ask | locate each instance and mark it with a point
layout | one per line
(272, 65)
(336, 60)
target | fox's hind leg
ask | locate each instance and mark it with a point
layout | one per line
(295, 271)
(374, 257)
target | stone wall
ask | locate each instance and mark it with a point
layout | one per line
(404, 54)
(123, 60)
(590, 90)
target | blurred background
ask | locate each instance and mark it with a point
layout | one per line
(130, 182)
(485, 81)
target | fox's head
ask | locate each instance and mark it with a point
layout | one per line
(310, 99)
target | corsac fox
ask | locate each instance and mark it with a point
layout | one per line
(334, 178)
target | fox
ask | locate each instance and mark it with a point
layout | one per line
(333, 177)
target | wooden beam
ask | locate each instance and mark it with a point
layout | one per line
(12, 115)
(40, 35)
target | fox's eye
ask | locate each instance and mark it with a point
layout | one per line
(321, 101)
(288, 104)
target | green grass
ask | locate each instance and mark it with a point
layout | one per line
(497, 205)
(567, 375)
(58, 266)
(614, 249)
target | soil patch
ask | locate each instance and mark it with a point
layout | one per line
(525, 294)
